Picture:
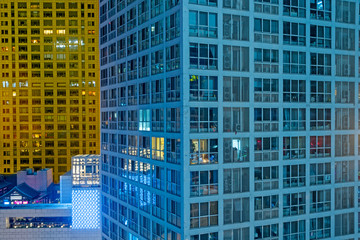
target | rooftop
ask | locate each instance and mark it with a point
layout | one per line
(36, 206)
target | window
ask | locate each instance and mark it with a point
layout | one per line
(236, 120)
(266, 60)
(320, 10)
(172, 26)
(266, 6)
(294, 33)
(266, 90)
(345, 65)
(320, 92)
(143, 10)
(203, 24)
(173, 119)
(294, 230)
(237, 4)
(236, 150)
(294, 148)
(236, 210)
(203, 120)
(344, 224)
(131, 44)
(266, 207)
(266, 119)
(266, 148)
(320, 201)
(344, 118)
(344, 198)
(294, 176)
(121, 24)
(157, 62)
(172, 57)
(236, 89)
(294, 119)
(144, 120)
(144, 93)
(345, 11)
(236, 234)
(294, 62)
(173, 182)
(203, 151)
(344, 171)
(157, 33)
(173, 151)
(203, 88)
(270, 232)
(295, 8)
(204, 214)
(131, 18)
(236, 180)
(344, 145)
(345, 39)
(320, 118)
(212, 3)
(320, 64)
(157, 7)
(294, 204)
(173, 89)
(320, 146)
(320, 36)
(266, 31)
(132, 94)
(266, 178)
(320, 173)
(203, 56)
(143, 35)
(235, 27)
(344, 92)
(157, 146)
(144, 69)
(174, 212)
(236, 58)
(203, 183)
(157, 91)
(213, 236)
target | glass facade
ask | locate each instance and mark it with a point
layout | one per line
(240, 112)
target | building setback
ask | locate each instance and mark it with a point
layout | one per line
(229, 119)
(49, 83)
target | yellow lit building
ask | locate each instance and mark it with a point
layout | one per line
(49, 86)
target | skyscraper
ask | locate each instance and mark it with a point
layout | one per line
(49, 83)
(229, 119)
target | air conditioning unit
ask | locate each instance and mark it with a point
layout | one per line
(227, 61)
(227, 156)
(227, 125)
(266, 127)
(258, 68)
(227, 31)
(238, 128)
(227, 145)
(227, 93)
(266, 156)
(258, 127)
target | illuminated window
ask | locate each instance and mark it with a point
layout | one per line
(157, 148)
(48, 32)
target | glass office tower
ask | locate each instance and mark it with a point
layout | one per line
(49, 86)
(229, 119)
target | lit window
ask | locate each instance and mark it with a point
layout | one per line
(48, 32)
